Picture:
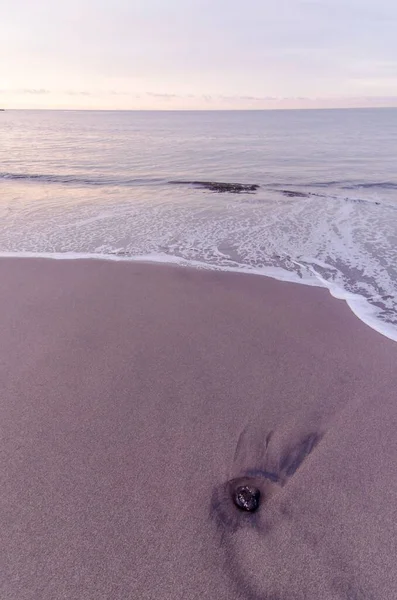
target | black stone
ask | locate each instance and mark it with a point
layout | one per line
(246, 497)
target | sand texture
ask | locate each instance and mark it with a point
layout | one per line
(131, 395)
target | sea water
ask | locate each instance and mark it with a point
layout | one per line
(97, 183)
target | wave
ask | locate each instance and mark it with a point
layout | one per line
(75, 180)
(132, 181)
(345, 185)
(298, 194)
(383, 185)
(286, 190)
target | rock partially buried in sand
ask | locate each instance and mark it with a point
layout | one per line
(247, 497)
(219, 187)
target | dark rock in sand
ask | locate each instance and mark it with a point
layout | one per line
(220, 188)
(246, 497)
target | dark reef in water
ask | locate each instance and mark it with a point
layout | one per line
(293, 194)
(220, 187)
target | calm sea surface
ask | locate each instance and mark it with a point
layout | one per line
(99, 183)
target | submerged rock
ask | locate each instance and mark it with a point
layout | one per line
(220, 187)
(294, 194)
(247, 497)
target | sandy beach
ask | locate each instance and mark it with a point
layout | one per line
(131, 394)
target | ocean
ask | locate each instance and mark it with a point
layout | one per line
(102, 184)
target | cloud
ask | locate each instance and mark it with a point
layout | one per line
(35, 92)
(164, 96)
(120, 93)
(78, 93)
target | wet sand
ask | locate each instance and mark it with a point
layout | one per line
(131, 395)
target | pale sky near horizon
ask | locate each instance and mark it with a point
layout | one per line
(181, 54)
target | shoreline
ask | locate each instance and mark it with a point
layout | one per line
(358, 305)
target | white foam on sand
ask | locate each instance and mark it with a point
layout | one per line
(359, 305)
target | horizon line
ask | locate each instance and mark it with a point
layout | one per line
(270, 109)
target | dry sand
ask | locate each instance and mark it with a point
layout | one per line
(131, 394)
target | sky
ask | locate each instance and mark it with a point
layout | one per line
(198, 54)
